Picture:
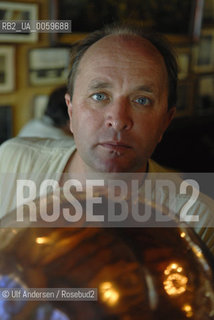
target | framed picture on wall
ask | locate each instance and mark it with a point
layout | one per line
(203, 53)
(7, 69)
(205, 98)
(48, 66)
(15, 11)
(6, 123)
(178, 18)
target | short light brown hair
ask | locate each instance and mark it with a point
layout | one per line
(157, 40)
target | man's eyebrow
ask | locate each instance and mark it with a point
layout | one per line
(98, 84)
(147, 88)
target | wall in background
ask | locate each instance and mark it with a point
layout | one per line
(196, 61)
(20, 99)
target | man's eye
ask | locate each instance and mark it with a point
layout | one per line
(99, 96)
(143, 101)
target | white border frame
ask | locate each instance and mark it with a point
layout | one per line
(19, 37)
(52, 62)
(9, 68)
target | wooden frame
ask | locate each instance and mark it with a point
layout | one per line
(7, 69)
(14, 11)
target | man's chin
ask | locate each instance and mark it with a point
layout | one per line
(114, 166)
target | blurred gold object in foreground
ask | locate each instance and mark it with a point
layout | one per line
(140, 273)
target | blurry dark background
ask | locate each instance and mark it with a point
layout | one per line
(188, 145)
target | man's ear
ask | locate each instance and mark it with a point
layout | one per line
(69, 105)
(169, 117)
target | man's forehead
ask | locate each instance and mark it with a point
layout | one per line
(112, 45)
(120, 39)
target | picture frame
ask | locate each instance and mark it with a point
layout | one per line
(7, 69)
(6, 123)
(203, 52)
(48, 66)
(40, 102)
(14, 11)
(205, 98)
(181, 19)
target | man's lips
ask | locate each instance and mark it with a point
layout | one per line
(115, 145)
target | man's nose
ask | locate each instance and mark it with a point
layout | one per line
(118, 116)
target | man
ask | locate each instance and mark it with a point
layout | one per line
(121, 98)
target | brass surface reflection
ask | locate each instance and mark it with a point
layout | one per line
(139, 273)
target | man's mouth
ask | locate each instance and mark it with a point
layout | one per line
(115, 145)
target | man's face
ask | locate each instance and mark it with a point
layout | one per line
(119, 108)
